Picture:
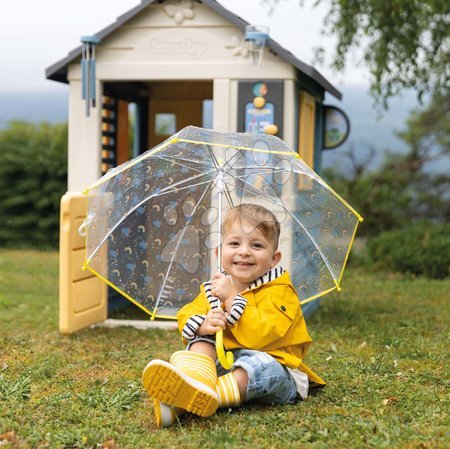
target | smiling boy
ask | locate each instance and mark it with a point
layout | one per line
(256, 306)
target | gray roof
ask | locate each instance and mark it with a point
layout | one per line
(58, 71)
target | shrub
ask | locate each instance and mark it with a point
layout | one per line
(33, 177)
(423, 248)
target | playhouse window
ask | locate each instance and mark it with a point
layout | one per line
(165, 124)
(207, 114)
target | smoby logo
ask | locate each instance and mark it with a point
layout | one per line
(186, 47)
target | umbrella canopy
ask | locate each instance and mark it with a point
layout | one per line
(153, 223)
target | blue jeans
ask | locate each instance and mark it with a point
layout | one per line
(269, 381)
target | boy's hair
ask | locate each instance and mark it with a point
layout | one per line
(258, 216)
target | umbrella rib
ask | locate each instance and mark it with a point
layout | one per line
(139, 205)
(238, 154)
(184, 181)
(185, 160)
(267, 170)
(247, 167)
(296, 219)
(213, 156)
(177, 169)
(161, 290)
(216, 162)
(208, 181)
(228, 196)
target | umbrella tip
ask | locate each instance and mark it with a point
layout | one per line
(338, 288)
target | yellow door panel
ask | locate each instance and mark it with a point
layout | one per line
(77, 262)
(82, 297)
(88, 294)
(77, 241)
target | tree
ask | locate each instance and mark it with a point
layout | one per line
(407, 187)
(405, 43)
(428, 131)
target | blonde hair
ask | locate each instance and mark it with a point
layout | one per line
(258, 216)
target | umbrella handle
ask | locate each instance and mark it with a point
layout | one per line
(226, 360)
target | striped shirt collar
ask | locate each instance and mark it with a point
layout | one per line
(269, 276)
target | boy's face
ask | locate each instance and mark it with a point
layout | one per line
(247, 254)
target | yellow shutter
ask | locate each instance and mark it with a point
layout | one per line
(307, 109)
(82, 296)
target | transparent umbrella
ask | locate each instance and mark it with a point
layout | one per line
(154, 222)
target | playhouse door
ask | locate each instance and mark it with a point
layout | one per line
(169, 116)
(174, 105)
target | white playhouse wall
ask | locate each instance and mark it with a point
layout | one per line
(153, 47)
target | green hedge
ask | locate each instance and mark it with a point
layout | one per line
(33, 177)
(422, 249)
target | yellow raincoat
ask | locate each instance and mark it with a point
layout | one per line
(272, 322)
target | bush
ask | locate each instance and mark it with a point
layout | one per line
(33, 177)
(422, 249)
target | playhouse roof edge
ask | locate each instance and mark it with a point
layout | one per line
(58, 71)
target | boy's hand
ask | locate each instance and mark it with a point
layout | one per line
(222, 287)
(214, 322)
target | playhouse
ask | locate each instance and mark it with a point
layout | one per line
(162, 66)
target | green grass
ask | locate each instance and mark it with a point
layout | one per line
(382, 345)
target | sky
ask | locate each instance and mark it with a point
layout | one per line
(36, 34)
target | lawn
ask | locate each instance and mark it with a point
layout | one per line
(382, 345)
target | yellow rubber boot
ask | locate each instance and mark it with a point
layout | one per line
(188, 382)
(228, 391)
